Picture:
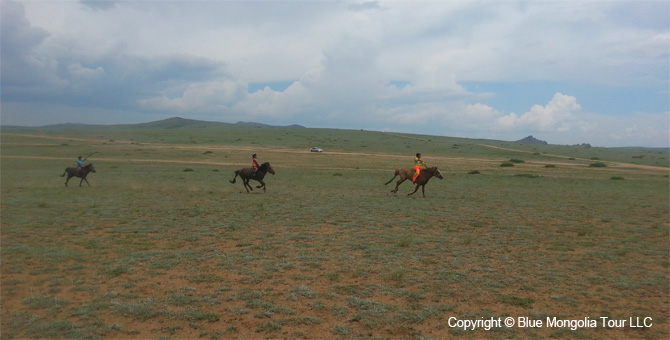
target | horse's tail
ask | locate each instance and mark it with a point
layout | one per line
(397, 172)
(63, 175)
(237, 173)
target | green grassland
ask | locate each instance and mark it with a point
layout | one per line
(162, 246)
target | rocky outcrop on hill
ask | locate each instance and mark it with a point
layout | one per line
(531, 140)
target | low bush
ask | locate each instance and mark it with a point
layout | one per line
(527, 175)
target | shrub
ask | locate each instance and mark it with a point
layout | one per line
(507, 164)
(188, 170)
(617, 178)
(598, 165)
(514, 160)
(550, 166)
(526, 303)
(527, 175)
(474, 172)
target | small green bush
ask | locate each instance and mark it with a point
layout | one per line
(514, 160)
(188, 170)
(474, 172)
(507, 164)
(550, 166)
(617, 178)
(598, 165)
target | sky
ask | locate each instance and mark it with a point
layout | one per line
(564, 71)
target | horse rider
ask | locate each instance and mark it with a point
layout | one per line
(417, 166)
(254, 164)
(80, 164)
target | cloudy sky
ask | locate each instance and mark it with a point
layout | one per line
(567, 72)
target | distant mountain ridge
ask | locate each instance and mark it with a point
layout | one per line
(261, 125)
(178, 123)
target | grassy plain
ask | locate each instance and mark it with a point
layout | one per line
(161, 246)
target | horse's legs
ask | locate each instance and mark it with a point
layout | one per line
(415, 189)
(84, 179)
(68, 179)
(423, 189)
(397, 184)
(262, 185)
(245, 181)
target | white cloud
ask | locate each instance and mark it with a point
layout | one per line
(557, 115)
(202, 97)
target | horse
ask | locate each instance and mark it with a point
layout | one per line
(72, 172)
(423, 178)
(404, 174)
(247, 174)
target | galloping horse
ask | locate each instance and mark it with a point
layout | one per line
(72, 172)
(404, 174)
(247, 174)
(424, 177)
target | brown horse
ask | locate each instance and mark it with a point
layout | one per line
(72, 172)
(404, 174)
(407, 174)
(247, 174)
(424, 177)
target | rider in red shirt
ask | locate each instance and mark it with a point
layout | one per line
(254, 163)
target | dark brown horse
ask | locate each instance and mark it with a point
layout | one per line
(72, 172)
(247, 174)
(424, 177)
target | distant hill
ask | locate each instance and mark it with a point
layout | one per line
(531, 140)
(644, 148)
(260, 125)
(178, 123)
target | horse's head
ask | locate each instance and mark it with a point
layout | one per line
(90, 168)
(437, 172)
(268, 167)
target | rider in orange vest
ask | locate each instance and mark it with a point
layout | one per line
(417, 166)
